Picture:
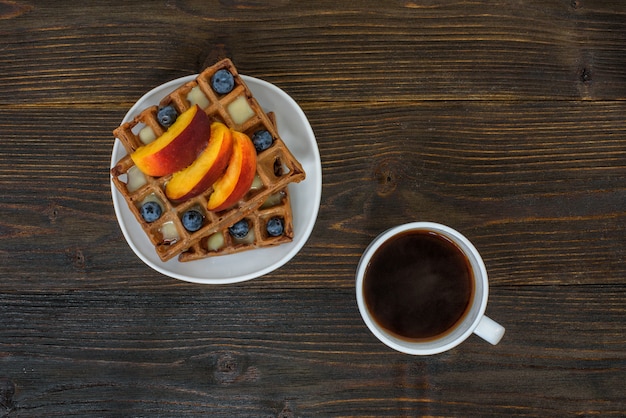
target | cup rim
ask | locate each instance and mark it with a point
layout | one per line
(444, 343)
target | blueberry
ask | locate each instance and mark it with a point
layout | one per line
(275, 227)
(192, 220)
(167, 116)
(222, 81)
(262, 140)
(151, 211)
(240, 229)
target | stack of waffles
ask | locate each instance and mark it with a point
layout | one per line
(267, 199)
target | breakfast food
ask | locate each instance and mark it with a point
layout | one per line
(177, 147)
(238, 177)
(206, 169)
(269, 225)
(238, 174)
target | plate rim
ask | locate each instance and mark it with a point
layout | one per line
(309, 224)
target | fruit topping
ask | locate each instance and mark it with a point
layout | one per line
(136, 179)
(196, 96)
(257, 183)
(273, 200)
(192, 220)
(222, 82)
(275, 227)
(238, 177)
(206, 169)
(178, 147)
(240, 229)
(151, 211)
(249, 239)
(240, 110)
(146, 135)
(215, 242)
(169, 233)
(167, 116)
(262, 140)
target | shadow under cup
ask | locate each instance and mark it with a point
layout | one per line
(469, 316)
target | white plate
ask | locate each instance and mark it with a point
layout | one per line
(296, 132)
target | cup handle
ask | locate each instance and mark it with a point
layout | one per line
(489, 330)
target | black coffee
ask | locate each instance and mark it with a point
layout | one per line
(418, 285)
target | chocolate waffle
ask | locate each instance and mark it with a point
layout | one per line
(276, 207)
(276, 168)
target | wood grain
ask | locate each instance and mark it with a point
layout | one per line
(502, 119)
(251, 351)
(379, 51)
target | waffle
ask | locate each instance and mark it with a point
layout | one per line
(276, 168)
(222, 242)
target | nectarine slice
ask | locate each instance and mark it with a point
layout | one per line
(206, 169)
(239, 175)
(178, 147)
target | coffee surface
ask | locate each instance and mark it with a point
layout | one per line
(418, 285)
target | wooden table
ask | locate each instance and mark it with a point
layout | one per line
(505, 120)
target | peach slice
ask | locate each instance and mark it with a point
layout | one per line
(239, 175)
(206, 169)
(178, 147)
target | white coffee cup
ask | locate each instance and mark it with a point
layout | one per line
(473, 321)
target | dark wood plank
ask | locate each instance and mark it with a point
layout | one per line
(256, 351)
(502, 119)
(378, 51)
